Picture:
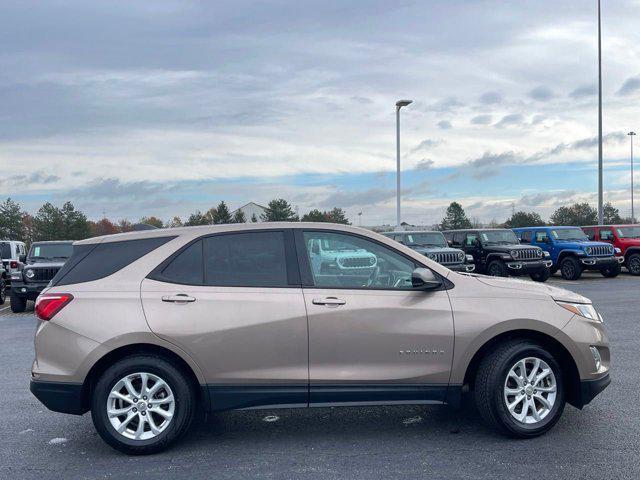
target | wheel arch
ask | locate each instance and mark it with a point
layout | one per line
(564, 254)
(630, 251)
(570, 372)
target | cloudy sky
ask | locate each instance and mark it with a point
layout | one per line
(164, 107)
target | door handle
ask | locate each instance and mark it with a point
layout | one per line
(179, 298)
(331, 301)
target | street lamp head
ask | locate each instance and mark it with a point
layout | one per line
(403, 103)
(631, 133)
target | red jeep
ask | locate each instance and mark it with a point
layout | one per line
(626, 238)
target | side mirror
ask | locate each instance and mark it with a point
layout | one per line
(22, 258)
(425, 279)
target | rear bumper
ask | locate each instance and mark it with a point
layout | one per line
(60, 397)
(597, 263)
(589, 389)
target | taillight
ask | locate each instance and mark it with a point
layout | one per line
(13, 264)
(49, 304)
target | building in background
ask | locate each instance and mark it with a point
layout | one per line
(250, 210)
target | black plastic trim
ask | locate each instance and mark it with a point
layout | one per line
(60, 397)
(233, 397)
(376, 393)
(589, 389)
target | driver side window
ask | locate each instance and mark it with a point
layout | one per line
(349, 261)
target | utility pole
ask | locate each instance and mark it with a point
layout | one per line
(399, 105)
(600, 201)
(633, 217)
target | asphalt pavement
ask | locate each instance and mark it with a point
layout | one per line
(602, 441)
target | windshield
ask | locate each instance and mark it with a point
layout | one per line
(498, 237)
(628, 232)
(569, 234)
(51, 251)
(336, 245)
(426, 239)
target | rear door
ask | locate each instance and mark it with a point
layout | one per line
(233, 302)
(372, 337)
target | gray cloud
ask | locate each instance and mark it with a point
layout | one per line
(489, 159)
(490, 98)
(353, 198)
(482, 120)
(426, 144)
(584, 91)
(425, 164)
(444, 124)
(111, 188)
(541, 198)
(40, 178)
(445, 105)
(510, 120)
(630, 86)
(541, 93)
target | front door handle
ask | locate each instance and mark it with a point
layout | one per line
(179, 298)
(330, 301)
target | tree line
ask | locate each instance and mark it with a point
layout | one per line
(578, 214)
(68, 223)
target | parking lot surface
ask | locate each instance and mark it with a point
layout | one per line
(602, 441)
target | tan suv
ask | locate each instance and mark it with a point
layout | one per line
(147, 328)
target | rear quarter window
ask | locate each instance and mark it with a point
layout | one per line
(96, 261)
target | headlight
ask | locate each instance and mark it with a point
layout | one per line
(585, 310)
(432, 256)
(589, 250)
(470, 258)
(546, 254)
(514, 253)
(617, 250)
(29, 273)
(461, 257)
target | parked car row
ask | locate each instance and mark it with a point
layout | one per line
(538, 252)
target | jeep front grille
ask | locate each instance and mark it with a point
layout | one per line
(43, 274)
(529, 254)
(446, 258)
(600, 250)
(357, 262)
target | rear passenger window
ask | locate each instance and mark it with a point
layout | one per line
(252, 259)
(95, 261)
(187, 267)
(541, 236)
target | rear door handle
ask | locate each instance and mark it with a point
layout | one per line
(330, 301)
(179, 298)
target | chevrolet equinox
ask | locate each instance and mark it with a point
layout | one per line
(146, 329)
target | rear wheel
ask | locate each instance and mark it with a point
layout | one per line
(519, 389)
(633, 264)
(18, 304)
(142, 404)
(570, 268)
(497, 268)
(541, 276)
(611, 272)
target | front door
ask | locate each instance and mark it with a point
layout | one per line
(233, 302)
(372, 338)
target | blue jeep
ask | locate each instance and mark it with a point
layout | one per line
(571, 251)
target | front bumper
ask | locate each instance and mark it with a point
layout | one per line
(60, 397)
(462, 267)
(524, 268)
(597, 263)
(589, 389)
(29, 290)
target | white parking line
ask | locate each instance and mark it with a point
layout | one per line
(5, 308)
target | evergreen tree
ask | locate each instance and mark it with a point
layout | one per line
(524, 219)
(611, 214)
(48, 224)
(455, 218)
(338, 215)
(315, 216)
(10, 220)
(222, 214)
(197, 218)
(239, 217)
(576, 215)
(75, 224)
(254, 219)
(279, 210)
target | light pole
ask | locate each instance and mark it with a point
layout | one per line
(631, 135)
(399, 105)
(600, 204)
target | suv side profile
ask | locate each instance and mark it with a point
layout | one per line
(40, 266)
(626, 238)
(497, 252)
(571, 251)
(164, 323)
(11, 251)
(434, 246)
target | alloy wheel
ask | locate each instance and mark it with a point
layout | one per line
(634, 265)
(530, 390)
(140, 406)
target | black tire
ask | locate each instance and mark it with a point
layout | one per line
(497, 268)
(183, 391)
(18, 304)
(570, 268)
(611, 272)
(553, 270)
(3, 291)
(541, 276)
(490, 382)
(633, 264)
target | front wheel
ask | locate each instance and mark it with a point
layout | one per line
(18, 304)
(519, 389)
(611, 272)
(571, 268)
(497, 268)
(142, 404)
(541, 276)
(633, 264)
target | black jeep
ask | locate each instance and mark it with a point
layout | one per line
(497, 252)
(40, 265)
